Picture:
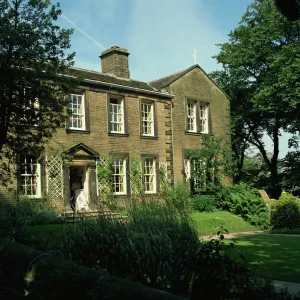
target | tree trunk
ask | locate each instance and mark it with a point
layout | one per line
(275, 189)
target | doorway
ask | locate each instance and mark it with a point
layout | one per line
(79, 188)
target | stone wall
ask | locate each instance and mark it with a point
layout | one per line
(197, 86)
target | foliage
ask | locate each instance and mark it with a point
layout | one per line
(209, 163)
(290, 9)
(242, 200)
(178, 196)
(105, 182)
(159, 248)
(136, 182)
(32, 93)
(26, 211)
(290, 166)
(203, 203)
(261, 70)
(285, 212)
(255, 172)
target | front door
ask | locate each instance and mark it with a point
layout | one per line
(79, 187)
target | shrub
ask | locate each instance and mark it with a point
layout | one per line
(285, 212)
(159, 248)
(203, 203)
(242, 200)
(45, 217)
(24, 211)
(178, 196)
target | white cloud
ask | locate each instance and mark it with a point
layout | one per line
(163, 34)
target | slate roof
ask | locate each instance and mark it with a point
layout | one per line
(163, 82)
(107, 78)
(167, 80)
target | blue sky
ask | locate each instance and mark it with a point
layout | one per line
(159, 34)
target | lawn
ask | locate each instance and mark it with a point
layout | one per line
(205, 223)
(277, 257)
(210, 223)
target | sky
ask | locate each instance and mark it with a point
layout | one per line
(160, 35)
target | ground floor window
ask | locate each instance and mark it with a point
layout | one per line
(149, 175)
(30, 176)
(195, 173)
(119, 175)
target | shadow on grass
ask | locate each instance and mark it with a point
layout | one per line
(276, 257)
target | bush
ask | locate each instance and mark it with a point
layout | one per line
(203, 203)
(24, 211)
(45, 217)
(159, 248)
(285, 212)
(242, 200)
(178, 196)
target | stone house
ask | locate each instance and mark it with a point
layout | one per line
(117, 117)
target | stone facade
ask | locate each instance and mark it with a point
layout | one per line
(169, 96)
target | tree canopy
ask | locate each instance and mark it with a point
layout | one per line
(33, 55)
(261, 74)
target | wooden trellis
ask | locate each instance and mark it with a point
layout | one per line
(54, 166)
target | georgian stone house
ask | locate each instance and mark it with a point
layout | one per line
(117, 117)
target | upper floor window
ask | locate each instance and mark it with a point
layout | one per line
(149, 175)
(197, 116)
(116, 115)
(191, 116)
(30, 176)
(203, 117)
(119, 175)
(76, 106)
(147, 118)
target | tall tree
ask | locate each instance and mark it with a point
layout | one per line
(262, 60)
(32, 91)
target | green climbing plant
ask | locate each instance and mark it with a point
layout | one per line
(210, 163)
(105, 182)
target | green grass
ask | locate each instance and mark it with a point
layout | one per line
(210, 223)
(276, 257)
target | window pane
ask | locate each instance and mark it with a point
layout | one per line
(119, 175)
(76, 105)
(116, 115)
(147, 119)
(149, 175)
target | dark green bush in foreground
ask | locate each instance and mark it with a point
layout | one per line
(158, 247)
(242, 200)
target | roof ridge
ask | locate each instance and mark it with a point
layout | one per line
(107, 74)
(172, 74)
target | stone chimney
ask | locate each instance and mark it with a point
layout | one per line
(115, 61)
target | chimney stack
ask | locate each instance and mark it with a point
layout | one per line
(114, 61)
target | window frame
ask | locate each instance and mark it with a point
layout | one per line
(147, 102)
(124, 115)
(37, 174)
(198, 117)
(84, 116)
(155, 163)
(125, 163)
